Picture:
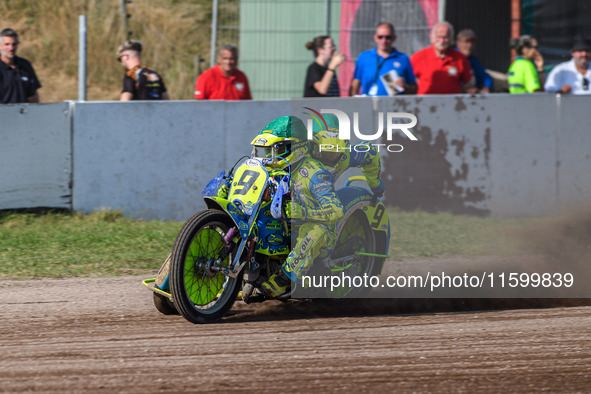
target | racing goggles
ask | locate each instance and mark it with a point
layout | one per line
(279, 149)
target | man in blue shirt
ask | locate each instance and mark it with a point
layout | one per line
(383, 71)
(466, 43)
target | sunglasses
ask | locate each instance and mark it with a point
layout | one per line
(585, 84)
(384, 37)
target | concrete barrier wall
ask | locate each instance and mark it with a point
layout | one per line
(523, 159)
(501, 155)
(573, 152)
(449, 167)
(35, 156)
(153, 159)
(481, 155)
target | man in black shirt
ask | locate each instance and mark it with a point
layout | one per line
(139, 82)
(18, 81)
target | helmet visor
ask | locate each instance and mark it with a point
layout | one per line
(280, 149)
(327, 154)
(330, 158)
(262, 152)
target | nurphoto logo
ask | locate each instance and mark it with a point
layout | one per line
(344, 132)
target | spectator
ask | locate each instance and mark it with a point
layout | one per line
(466, 43)
(383, 71)
(223, 81)
(321, 80)
(139, 82)
(573, 76)
(523, 77)
(441, 69)
(18, 81)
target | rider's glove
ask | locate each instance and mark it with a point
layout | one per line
(295, 211)
(223, 191)
(379, 189)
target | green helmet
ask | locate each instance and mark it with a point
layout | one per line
(282, 142)
(327, 147)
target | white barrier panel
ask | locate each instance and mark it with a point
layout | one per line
(152, 159)
(501, 155)
(35, 156)
(523, 161)
(573, 161)
(448, 168)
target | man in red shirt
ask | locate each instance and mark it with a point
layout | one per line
(223, 81)
(441, 69)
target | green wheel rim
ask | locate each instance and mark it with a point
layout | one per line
(201, 288)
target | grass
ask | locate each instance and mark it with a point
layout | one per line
(106, 243)
(67, 245)
(420, 234)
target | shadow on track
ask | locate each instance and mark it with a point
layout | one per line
(323, 308)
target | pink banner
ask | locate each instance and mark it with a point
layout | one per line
(347, 69)
(431, 10)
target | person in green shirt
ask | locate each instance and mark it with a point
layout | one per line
(523, 72)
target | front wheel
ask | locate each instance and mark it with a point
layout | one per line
(200, 294)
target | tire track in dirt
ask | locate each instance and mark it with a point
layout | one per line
(104, 335)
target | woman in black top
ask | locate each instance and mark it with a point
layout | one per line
(321, 80)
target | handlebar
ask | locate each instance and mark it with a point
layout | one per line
(351, 179)
(354, 178)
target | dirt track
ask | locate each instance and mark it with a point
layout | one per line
(95, 335)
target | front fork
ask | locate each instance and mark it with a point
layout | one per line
(251, 273)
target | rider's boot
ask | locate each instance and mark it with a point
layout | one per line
(277, 285)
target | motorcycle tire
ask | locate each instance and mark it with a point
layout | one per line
(201, 296)
(356, 236)
(164, 305)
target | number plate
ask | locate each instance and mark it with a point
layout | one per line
(248, 186)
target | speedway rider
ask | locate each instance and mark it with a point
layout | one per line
(337, 155)
(314, 207)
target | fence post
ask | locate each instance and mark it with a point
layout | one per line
(82, 58)
(214, 33)
(327, 17)
(124, 17)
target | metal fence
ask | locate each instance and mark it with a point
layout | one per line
(272, 34)
(225, 25)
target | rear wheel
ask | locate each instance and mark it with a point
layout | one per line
(200, 294)
(164, 305)
(356, 236)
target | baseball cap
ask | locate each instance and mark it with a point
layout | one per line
(466, 35)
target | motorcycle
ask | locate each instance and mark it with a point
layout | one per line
(228, 250)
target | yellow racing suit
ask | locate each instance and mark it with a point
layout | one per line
(362, 155)
(315, 210)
